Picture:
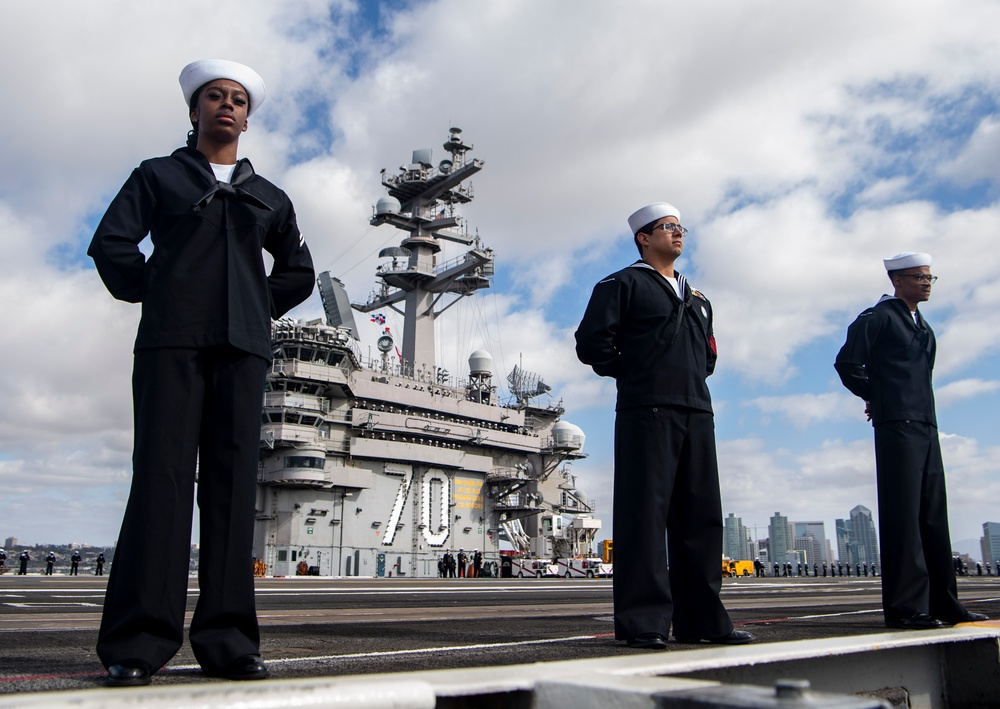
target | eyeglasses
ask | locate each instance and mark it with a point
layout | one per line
(920, 277)
(670, 228)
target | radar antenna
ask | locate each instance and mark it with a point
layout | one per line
(526, 385)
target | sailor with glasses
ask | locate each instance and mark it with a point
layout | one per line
(646, 327)
(888, 361)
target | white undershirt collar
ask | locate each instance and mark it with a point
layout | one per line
(223, 173)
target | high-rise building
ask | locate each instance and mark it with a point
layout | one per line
(796, 556)
(842, 529)
(735, 538)
(780, 534)
(863, 536)
(810, 537)
(10, 542)
(753, 549)
(990, 542)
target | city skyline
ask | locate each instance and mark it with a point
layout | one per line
(734, 532)
(855, 539)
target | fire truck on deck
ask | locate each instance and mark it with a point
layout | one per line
(564, 550)
(538, 568)
(588, 567)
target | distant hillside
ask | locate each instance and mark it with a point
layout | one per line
(968, 546)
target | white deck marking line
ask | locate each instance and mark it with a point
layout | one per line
(42, 604)
(418, 592)
(859, 612)
(53, 591)
(830, 615)
(416, 651)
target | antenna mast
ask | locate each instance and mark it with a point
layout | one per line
(421, 202)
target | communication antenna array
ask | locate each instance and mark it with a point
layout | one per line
(526, 385)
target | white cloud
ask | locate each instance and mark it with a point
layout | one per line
(827, 481)
(963, 389)
(973, 483)
(795, 139)
(805, 410)
(978, 159)
(821, 483)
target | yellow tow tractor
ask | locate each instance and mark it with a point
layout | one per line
(734, 567)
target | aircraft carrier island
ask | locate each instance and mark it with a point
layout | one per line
(378, 466)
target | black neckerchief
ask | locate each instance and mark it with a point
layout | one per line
(918, 324)
(684, 295)
(243, 172)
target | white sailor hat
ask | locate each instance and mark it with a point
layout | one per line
(907, 259)
(650, 213)
(197, 74)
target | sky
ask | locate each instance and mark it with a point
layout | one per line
(802, 143)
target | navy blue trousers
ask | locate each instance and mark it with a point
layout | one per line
(192, 408)
(666, 491)
(918, 575)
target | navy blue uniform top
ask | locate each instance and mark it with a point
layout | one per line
(205, 283)
(888, 360)
(659, 347)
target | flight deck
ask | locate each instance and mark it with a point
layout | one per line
(335, 628)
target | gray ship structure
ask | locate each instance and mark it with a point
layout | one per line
(377, 466)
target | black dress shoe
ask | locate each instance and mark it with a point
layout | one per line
(733, 637)
(242, 668)
(968, 617)
(649, 641)
(128, 674)
(917, 621)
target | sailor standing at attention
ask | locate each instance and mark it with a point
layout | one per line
(888, 361)
(200, 357)
(652, 332)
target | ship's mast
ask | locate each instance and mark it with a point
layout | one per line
(421, 202)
